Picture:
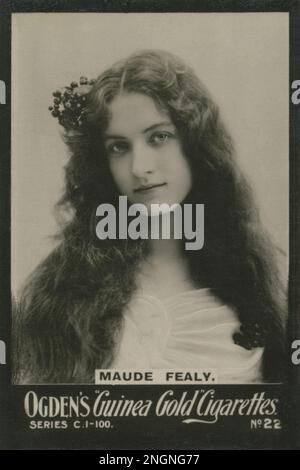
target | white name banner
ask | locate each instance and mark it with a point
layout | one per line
(154, 376)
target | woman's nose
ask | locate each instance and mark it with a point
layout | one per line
(143, 160)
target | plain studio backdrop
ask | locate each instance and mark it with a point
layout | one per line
(242, 58)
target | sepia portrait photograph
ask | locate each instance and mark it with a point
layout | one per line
(149, 195)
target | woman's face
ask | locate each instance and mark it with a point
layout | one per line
(144, 152)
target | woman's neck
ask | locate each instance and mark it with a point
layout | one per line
(166, 247)
(162, 251)
(165, 272)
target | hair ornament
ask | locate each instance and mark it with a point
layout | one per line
(69, 103)
(251, 335)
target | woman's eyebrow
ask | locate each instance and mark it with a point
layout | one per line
(107, 136)
(158, 124)
(113, 136)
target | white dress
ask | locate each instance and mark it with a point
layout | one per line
(191, 330)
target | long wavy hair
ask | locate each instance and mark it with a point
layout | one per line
(68, 319)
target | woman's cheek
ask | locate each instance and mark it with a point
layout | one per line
(121, 175)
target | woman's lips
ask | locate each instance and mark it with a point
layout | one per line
(145, 189)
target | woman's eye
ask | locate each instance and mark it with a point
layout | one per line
(117, 148)
(160, 137)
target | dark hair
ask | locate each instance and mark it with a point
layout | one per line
(69, 316)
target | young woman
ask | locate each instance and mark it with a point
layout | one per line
(147, 129)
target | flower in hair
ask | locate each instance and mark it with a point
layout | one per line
(251, 335)
(69, 103)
